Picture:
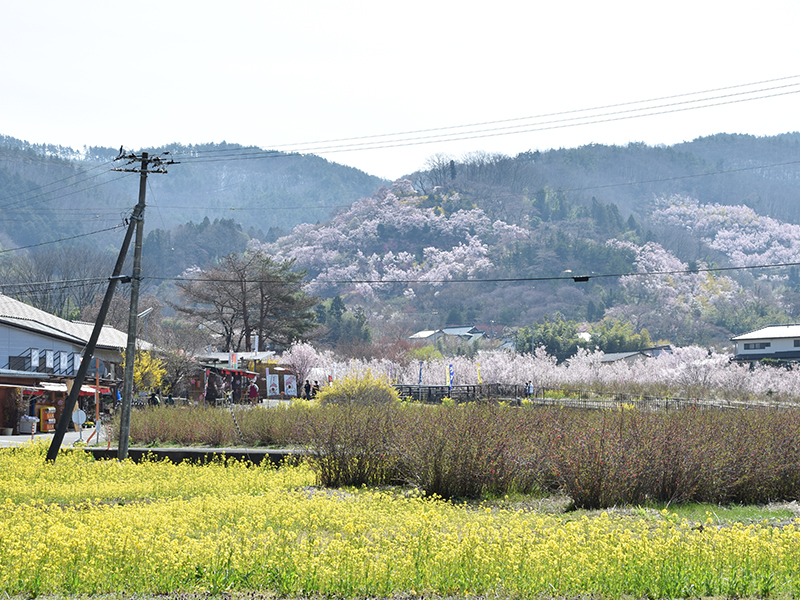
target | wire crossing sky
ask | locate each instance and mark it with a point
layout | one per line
(383, 87)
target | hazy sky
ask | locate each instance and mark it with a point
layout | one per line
(276, 74)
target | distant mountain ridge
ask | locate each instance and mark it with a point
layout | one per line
(522, 225)
(41, 184)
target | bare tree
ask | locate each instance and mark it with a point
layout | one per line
(61, 281)
(250, 293)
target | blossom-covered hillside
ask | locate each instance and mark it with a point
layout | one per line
(401, 252)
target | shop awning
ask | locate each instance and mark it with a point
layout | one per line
(229, 371)
(86, 390)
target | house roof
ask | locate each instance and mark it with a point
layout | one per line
(773, 332)
(423, 335)
(463, 331)
(616, 356)
(23, 316)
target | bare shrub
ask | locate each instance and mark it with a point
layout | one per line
(457, 451)
(348, 444)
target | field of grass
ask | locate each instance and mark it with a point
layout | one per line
(83, 527)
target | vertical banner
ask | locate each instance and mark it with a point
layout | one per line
(34, 359)
(479, 374)
(420, 373)
(255, 343)
(48, 359)
(290, 385)
(450, 377)
(272, 385)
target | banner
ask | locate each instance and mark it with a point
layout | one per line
(479, 374)
(450, 377)
(420, 373)
(290, 385)
(272, 385)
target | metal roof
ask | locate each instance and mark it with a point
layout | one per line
(23, 316)
(15, 374)
(773, 332)
(615, 356)
(422, 335)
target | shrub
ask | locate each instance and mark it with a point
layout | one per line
(457, 451)
(348, 444)
(363, 389)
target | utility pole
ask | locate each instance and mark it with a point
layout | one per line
(69, 404)
(135, 223)
(159, 166)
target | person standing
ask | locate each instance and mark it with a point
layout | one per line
(307, 389)
(252, 393)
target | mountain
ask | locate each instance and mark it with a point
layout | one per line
(483, 238)
(51, 192)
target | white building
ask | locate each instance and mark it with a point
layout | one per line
(779, 342)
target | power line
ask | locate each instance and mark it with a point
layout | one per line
(83, 281)
(578, 278)
(494, 132)
(68, 283)
(42, 288)
(494, 197)
(80, 235)
(72, 176)
(221, 151)
(91, 187)
(371, 143)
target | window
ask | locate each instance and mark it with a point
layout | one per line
(761, 345)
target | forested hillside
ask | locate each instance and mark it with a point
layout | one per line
(484, 238)
(51, 192)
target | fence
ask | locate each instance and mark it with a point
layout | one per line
(583, 399)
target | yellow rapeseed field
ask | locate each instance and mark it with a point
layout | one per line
(85, 527)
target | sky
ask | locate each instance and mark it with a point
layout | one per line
(339, 78)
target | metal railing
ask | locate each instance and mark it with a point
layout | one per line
(572, 398)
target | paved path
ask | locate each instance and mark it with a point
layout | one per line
(70, 437)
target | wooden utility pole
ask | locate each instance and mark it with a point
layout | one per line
(135, 223)
(133, 319)
(133, 315)
(69, 404)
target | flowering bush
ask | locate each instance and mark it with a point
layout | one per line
(358, 388)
